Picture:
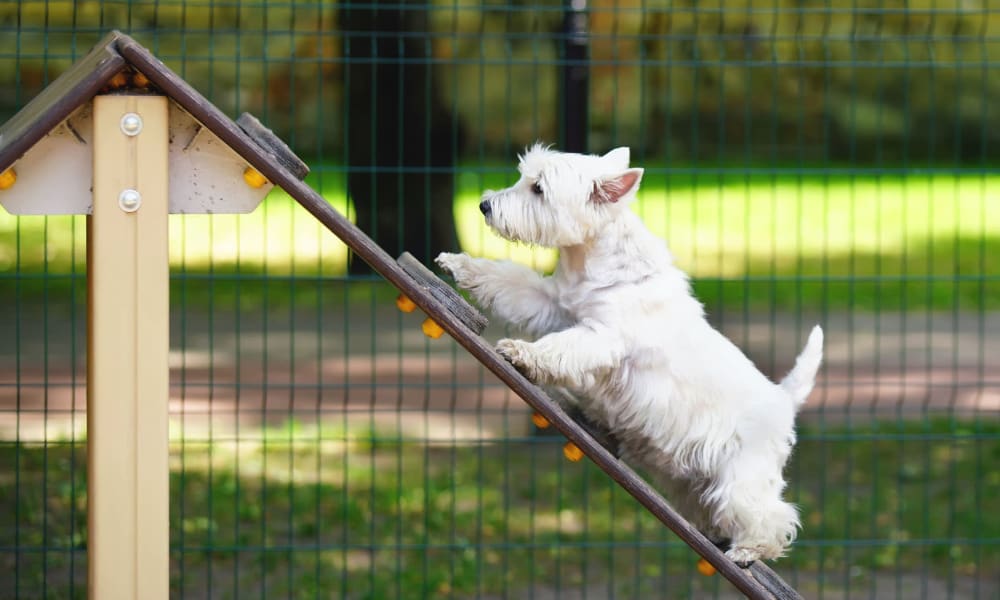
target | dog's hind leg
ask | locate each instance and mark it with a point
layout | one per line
(685, 496)
(748, 507)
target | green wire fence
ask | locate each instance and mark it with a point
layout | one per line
(807, 162)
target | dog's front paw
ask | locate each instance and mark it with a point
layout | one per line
(450, 262)
(456, 265)
(519, 353)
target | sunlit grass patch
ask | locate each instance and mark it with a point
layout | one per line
(730, 226)
(279, 238)
(895, 241)
(787, 242)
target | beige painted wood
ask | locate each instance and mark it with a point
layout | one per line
(128, 375)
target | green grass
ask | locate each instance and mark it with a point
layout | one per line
(891, 242)
(299, 511)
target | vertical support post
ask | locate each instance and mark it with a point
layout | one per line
(128, 339)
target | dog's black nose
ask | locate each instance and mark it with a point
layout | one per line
(484, 207)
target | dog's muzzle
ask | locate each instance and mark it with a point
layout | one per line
(485, 208)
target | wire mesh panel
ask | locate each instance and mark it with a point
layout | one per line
(806, 161)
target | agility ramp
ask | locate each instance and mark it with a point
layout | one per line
(58, 128)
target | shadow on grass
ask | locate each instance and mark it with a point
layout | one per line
(304, 512)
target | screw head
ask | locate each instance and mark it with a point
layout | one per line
(131, 124)
(129, 200)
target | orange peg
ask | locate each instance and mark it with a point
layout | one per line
(118, 80)
(432, 329)
(572, 452)
(705, 568)
(7, 179)
(539, 420)
(253, 178)
(405, 304)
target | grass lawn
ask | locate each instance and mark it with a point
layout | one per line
(890, 242)
(303, 511)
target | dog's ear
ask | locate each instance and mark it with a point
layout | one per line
(618, 157)
(612, 188)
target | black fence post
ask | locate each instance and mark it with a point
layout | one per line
(575, 77)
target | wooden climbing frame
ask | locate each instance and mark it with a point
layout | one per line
(268, 156)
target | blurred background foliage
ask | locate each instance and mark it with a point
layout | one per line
(887, 81)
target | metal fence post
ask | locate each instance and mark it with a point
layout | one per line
(575, 77)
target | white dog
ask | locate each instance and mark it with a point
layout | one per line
(618, 327)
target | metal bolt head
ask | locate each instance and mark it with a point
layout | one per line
(129, 200)
(131, 124)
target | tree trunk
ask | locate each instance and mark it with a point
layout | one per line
(401, 138)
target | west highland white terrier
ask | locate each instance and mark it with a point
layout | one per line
(617, 326)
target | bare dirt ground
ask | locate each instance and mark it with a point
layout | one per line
(375, 368)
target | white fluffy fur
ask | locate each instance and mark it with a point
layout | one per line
(618, 327)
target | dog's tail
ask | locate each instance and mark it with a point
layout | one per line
(799, 381)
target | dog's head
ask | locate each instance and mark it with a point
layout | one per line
(562, 199)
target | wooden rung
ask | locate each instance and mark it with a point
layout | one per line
(456, 304)
(273, 145)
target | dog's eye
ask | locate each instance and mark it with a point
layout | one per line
(536, 188)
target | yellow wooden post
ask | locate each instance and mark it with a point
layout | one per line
(127, 371)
